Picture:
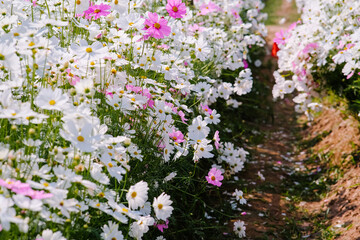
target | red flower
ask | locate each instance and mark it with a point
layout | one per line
(274, 50)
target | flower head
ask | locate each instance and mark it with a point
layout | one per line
(176, 8)
(156, 27)
(96, 11)
(137, 195)
(162, 206)
(177, 136)
(217, 139)
(239, 228)
(214, 177)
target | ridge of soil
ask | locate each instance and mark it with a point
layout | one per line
(341, 203)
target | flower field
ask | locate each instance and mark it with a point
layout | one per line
(107, 124)
(320, 51)
(145, 119)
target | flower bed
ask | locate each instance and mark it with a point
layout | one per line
(107, 129)
(320, 50)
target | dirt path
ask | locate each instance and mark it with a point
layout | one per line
(268, 208)
(303, 183)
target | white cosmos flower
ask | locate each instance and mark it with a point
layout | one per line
(81, 137)
(198, 129)
(111, 231)
(239, 228)
(81, 6)
(98, 175)
(202, 50)
(47, 234)
(137, 195)
(26, 203)
(51, 99)
(162, 206)
(239, 196)
(137, 229)
(8, 57)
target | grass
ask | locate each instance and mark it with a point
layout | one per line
(272, 8)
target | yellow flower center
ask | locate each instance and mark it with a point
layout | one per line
(78, 2)
(80, 138)
(89, 50)
(213, 178)
(160, 206)
(133, 194)
(97, 10)
(175, 9)
(52, 102)
(157, 25)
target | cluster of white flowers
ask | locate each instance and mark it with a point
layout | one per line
(86, 89)
(326, 37)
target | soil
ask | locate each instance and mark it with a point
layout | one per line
(270, 213)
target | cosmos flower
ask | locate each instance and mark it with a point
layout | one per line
(156, 27)
(51, 99)
(217, 139)
(137, 195)
(96, 11)
(177, 136)
(214, 177)
(162, 206)
(239, 228)
(176, 8)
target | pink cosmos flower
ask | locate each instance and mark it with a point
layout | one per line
(246, 65)
(182, 116)
(235, 13)
(96, 11)
(73, 79)
(163, 46)
(162, 226)
(208, 8)
(196, 28)
(19, 187)
(176, 8)
(217, 139)
(177, 136)
(33, 2)
(293, 25)
(156, 27)
(206, 109)
(214, 177)
(280, 37)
